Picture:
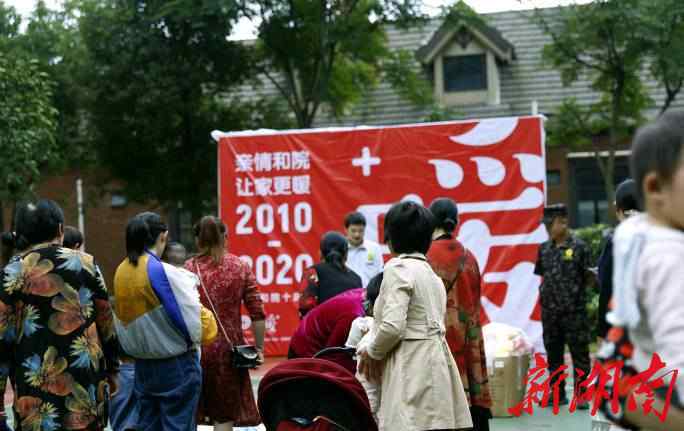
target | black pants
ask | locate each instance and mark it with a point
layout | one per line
(571, 329)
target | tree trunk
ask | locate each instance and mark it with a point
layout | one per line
(607, 169)
(609, 187)
(2, 217)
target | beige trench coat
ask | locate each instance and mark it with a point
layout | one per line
(421, 385)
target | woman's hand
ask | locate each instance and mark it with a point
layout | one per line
(260, 357)
(370, 368)
(113, 381)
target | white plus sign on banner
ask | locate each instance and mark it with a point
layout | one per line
(366, 161)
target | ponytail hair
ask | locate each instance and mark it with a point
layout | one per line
(334, 249)
(142, 232)
(210, 233)
(445, 211)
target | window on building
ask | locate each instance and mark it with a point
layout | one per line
(587, 192)
(553, 178)
(465, 73)
(119, 200)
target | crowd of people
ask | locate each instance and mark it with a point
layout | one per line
(153, 351)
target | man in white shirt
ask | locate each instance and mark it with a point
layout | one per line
(364, 256)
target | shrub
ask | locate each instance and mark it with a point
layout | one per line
(595, 237)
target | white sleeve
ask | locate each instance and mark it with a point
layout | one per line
(358, 329)
(664, 307)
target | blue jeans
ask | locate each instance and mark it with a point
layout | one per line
(124, 407)
(168, 391)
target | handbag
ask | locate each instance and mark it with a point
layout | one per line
(242, 356)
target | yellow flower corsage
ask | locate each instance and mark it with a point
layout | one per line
(568, 254)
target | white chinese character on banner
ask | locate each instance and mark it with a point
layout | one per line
(286, 297)
(272, 323)
(296, 296)
(244, 163)
(244, 186)
(301, 185)
(275, 297)
(282, 186)
(264, 297)
(281, 161)
(246, 322)
(262, 162)
(263, 186)
(300, 160)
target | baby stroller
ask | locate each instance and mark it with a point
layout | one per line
(314, 394)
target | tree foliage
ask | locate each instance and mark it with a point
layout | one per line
(27, 125)
(28, 118)
(329, 52)
(158, 71)
(612, 44)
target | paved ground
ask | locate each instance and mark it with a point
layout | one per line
(542, 419)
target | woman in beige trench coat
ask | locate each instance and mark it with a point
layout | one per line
(421, 385)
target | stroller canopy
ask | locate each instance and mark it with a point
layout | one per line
(309, 387)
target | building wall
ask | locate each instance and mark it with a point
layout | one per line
(556, 160)
(104, 226)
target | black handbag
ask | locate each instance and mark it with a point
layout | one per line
(242, 356)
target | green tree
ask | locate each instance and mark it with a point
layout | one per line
(159, 70)
(330, 52)
(611, 43)
(52, 37)
(27, 126)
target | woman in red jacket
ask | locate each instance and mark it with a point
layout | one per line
(458, 269)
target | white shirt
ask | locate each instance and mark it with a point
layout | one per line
(365, 260)
(654, 279)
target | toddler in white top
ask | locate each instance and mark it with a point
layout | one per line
(360, 336)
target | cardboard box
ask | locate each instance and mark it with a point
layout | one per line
(506, 383)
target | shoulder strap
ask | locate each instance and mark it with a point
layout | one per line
(211, 304)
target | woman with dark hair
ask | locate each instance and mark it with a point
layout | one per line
(330, 277)
(458, 269)
(227, 399)
(56, 328)
(408, 352)
(160, 323)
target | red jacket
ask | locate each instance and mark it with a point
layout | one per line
(327, 325)
(458, 269)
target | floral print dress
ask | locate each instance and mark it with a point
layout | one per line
(458, 269)
(57, 339)
(226, 391)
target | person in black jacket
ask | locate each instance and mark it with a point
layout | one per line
(626, 204)
(330, 277)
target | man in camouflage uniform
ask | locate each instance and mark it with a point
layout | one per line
(563, 262)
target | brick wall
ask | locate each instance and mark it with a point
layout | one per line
(104, 226)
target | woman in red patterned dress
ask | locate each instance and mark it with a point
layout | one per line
(458, 269)
(227, 398)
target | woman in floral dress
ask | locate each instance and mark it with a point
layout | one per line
(227, 398)
(58, 344)
(458, 269)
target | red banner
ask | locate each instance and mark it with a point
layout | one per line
(279, 192)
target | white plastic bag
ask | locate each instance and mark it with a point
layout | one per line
(503, 340)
